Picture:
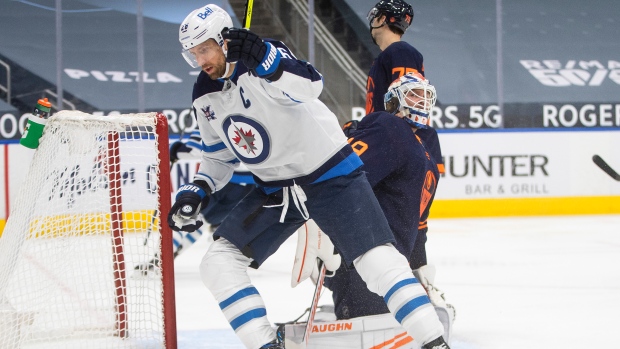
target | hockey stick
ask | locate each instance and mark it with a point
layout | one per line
(247, 18)
(315, 302)
(154, 262)
(605, 167)
(150, 227)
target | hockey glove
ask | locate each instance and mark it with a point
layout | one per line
(350, 127)
(176, 148)
(190, 199)
(260, 57)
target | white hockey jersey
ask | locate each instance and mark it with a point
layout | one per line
(278, 129)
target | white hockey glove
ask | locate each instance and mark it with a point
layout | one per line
(185, 213)
(312, 243)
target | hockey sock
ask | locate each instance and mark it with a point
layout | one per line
(387, 273)
(224, 272)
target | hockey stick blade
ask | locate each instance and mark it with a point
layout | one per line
(605, 167)
(315, 302)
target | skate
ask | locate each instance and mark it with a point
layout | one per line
(275, 344)
(144, 269)
(438, 343)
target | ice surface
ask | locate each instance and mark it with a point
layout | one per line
(535, 282)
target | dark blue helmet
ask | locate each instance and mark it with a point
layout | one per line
(398, 13)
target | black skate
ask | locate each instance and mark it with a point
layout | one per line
(438, 343)
(144, 269)
(275, 344)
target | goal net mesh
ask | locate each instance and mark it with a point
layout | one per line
(85, 218)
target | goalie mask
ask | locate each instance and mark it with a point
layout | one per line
(398, 14)
(207, 22)
(413, 97)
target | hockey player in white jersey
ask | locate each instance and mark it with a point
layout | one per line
(256, 103)
(220, 203)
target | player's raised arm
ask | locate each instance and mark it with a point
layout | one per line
(272, 60)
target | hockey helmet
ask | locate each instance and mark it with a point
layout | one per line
(204, 23)
(398, 13)
(413, 96)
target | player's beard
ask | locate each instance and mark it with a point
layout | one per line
(372, 36)
(219, 69)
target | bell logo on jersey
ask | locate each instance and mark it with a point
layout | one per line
(248, 138)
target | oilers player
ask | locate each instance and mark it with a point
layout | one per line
(258, 104)
(404, 182)
(388, 21)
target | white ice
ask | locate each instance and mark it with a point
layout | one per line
(535, 282)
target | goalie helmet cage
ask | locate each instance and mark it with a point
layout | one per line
(80, 224)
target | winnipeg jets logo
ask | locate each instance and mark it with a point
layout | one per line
(209, 114)
(247, 138)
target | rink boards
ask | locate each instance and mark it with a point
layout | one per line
(527, 173)
(487, 174)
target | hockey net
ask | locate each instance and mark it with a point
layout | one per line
(86, 216)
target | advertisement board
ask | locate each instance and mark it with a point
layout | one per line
(492, 173)
(527, 173)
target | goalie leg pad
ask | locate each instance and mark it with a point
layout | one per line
(387, 273)
(446, 318)
(375, 331)
(224, 271)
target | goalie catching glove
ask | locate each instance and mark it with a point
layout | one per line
(260, 57)
(313, 243)
(190, 199)
(350, 127)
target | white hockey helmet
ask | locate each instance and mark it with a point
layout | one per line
(413, 96)
(207, 22)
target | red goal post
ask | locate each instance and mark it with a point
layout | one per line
(91, 209)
